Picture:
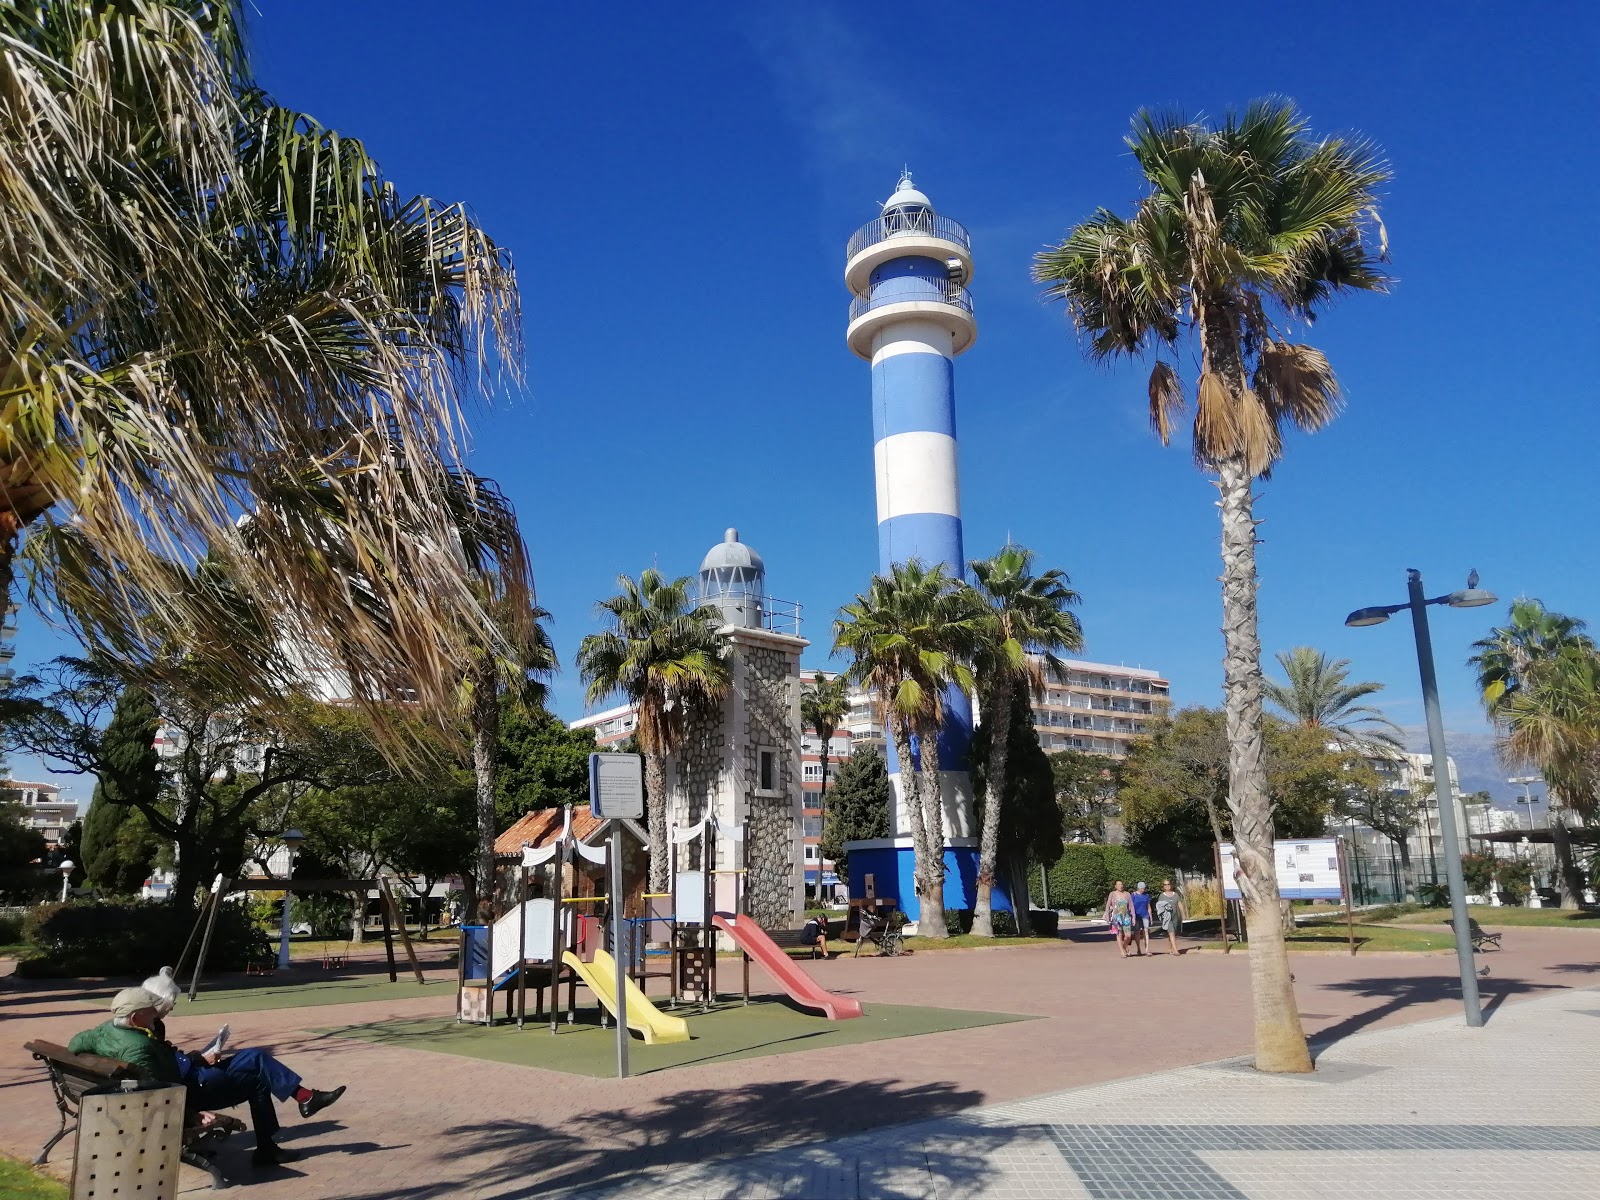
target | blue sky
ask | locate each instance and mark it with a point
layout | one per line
(677, 183)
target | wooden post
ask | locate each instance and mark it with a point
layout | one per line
(1344, 888)
(388, 931)
(400, 917)
(522, 944)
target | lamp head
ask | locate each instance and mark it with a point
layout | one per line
(68, 867)
(1367, 616)
(1471, 598)
(292, 839)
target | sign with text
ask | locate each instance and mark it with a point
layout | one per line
(1307, 869)
(616, 786)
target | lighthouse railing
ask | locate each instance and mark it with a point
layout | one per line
(910, 223)
(936, 292)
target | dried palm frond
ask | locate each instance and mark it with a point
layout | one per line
(1166, 399)
(1297, 384)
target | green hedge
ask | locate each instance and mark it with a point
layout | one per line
(10, 930)
(134, 938)
(1083, 875)
(1044, 922)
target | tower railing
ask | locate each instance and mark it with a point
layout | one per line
(916, 222)
(936, 292)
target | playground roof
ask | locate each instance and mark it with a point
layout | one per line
(543, 826)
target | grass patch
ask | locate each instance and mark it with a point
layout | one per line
(15, 950)
(967, 941)
(359, 989)
(18, 1182)
(1487, 914)
(728, 1032)
(1332, 936)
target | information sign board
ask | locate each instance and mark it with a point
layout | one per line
(1307, 869)
(616, 786)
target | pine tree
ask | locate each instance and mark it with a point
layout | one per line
(858, 807)
(118, 845)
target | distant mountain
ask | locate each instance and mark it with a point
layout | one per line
(1478, 765)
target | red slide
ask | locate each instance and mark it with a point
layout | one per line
(802, 989)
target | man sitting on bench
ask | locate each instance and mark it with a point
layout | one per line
(252, 1075)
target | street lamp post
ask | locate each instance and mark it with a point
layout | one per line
(1471, 597)
(291, 843)
(67, 868)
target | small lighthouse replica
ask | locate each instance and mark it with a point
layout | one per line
(910, 317)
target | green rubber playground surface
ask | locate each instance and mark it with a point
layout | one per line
(729, 1032)
(316, 991)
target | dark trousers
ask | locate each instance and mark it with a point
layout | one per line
(251, 1076)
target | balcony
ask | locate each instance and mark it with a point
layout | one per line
(906, 233)
(944, 300)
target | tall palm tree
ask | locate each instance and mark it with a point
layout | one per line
(212, 307)
(1539, 675)
(1317, 693)
(823, 705)
(912, 635)
(662, 652)
(1027, 626)
(1246, 229)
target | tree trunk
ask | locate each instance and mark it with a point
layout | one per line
(1279, 1039)
(910, 795)
(994, 785)
(358, 917)
(1569, 880)
(485, 744)
(1408, 881)
(655, 806)
(931, 788)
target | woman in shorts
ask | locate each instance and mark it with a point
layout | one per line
(1119, 915)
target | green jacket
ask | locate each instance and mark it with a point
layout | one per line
(152, 1058)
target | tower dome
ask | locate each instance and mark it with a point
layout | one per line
(733, 577)
(906, 196)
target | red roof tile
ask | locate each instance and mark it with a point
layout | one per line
(541, 827)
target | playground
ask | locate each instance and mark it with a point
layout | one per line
(438, 1108)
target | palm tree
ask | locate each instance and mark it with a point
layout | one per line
(1317, 694)
(822, 706)
(1027, 625)
(1540, 680)
(1247, 228)
(912, 634)
(662, 652)
(216, 308)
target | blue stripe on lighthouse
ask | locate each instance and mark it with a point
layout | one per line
(913, 393)
(932, 537)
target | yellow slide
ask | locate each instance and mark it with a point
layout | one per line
(601, 978)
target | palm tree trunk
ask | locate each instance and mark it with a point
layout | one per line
(1408, 882)
(485, 744)
(1568, 878)
(994, 787)
(931, 923)
(1280, 1040)
(911, 797)
(655, 805)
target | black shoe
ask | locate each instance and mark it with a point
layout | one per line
(319, 1101)
(270, 1154)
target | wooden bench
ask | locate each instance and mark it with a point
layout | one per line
(794, 939)
(1480, 936)
(71, 1075)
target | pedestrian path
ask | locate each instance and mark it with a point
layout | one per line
(1432, 1111)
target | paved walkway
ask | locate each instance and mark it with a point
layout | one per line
(1434, 1111)
(418, 1125)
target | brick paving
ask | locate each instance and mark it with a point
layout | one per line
(418, 1124)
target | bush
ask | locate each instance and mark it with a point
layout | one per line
(1200, 900)
(1044, 922)
(10, 930)
(1082, 876)
(131, 938)
(1515, 878)
(1003, 924)
(1478, 871)
(1124, 864)
(958, 920)
(1434, 895)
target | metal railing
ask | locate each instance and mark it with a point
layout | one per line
(907, 223)
(781, 616)
(936, 292)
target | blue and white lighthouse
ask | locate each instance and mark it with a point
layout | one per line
(910, 317)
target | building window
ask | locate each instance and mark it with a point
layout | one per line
(767, 771)
(811, 854)
(813, 827)
(813, 771)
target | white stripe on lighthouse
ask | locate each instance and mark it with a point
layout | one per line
(912, 335)
(917, 474)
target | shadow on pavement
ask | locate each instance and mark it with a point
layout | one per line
(1398, 994)
(511, 1156)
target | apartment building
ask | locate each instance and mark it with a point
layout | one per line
(42, 807)
(1098, 707)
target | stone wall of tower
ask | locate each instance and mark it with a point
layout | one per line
(772, 681)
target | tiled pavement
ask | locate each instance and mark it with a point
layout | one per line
(1432, 1111)
(418, 1125)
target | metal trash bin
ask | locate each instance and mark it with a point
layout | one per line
(128, 1142)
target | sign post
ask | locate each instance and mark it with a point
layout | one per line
(616, 794)
(1307, 869)
(1344, 884)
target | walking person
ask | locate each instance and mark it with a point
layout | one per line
(1141, 918)
(1119, 915)
(1170, 913)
